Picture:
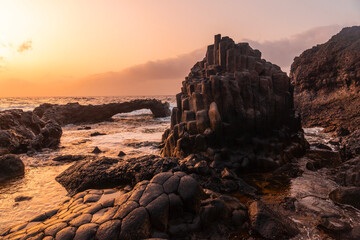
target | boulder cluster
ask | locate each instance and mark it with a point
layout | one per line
(230, 97)
(21, 132)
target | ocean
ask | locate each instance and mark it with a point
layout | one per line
(136, 133)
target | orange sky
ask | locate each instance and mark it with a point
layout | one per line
(114, 47)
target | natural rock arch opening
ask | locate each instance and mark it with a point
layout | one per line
(74, 113)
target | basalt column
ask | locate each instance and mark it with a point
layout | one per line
(230, 94)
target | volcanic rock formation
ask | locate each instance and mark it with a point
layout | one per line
(75, 113)
(23, 131)
(327, 83)
(229, 98)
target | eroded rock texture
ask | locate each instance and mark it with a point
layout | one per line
(23, 131)
(327, 83)
(229, 98)
(75, 113)
(170, 205)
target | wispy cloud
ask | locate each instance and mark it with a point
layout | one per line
(25, 46)
(283, 51)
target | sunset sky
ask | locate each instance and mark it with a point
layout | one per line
(114, 47)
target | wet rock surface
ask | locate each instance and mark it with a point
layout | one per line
(21, 132)
(76, 114)
(151, 209)
(234, 104)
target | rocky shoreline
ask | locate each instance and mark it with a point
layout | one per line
(234, 164)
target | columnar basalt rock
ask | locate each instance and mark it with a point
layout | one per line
(230, 94)
(169, 206)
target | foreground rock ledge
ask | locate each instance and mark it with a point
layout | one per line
(74, 113)
(170, 205)
(234, 99)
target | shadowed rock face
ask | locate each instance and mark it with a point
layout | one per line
(75, 113)
(23, 131)
(231, 94)
(327, 83)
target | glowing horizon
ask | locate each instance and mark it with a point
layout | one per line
(50, 48)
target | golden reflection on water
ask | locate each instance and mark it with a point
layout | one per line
(38, 183)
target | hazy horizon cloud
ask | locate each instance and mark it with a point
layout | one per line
(160, 76)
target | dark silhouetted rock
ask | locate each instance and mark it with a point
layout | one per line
(76, 113)
(84, 128)
(96, 150)
(327, 83)
(69, 158)
(11, 166)
(23, 131)
(121, 154)
(22, 198)
(107, 172)
(94, 134)
(323, 158)
(348, 173)
(346, 195)
(350, 145)
(270, 224)
(334, 225)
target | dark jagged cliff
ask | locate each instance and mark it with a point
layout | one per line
(230, 97)
(327, 83)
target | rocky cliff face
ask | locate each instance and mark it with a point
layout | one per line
(327, 83)
(230, 97)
